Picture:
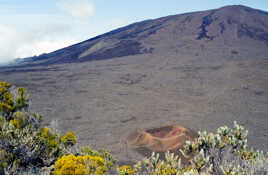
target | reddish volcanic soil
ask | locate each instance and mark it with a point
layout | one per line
(167, 138)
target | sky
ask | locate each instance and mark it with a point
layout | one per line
(33, 27)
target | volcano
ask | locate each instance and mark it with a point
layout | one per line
(230, 26)
(201, 70)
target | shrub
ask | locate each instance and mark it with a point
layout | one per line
(109, 161)
(69, 139)
(24, 144)
(79, 165)
(171, 165)
(125, 170)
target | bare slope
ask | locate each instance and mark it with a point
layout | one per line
(201, 70)
(228, 26)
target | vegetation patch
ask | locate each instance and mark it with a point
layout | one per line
(28, 148)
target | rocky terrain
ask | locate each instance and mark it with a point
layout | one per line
(200, 70)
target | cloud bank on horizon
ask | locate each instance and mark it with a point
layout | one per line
(16, 43)
(37, 33)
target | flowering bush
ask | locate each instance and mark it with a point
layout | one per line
(125, 170)
(69, 139)
(109, 161)
(79, 165)
(24, 143)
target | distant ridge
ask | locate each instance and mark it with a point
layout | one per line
(229, 25)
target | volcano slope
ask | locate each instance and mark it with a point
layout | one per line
(200, 70)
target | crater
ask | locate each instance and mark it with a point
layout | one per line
(166, 138)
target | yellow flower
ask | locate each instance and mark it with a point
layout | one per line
(69, 139)
(79, 165)
(125, 170)
(45, 132)
(5, 107)
(15, 123)
(5, 84)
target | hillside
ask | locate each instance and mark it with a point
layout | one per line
(201, 70)
(229, 26)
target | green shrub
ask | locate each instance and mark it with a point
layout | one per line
(69, 139)
(109, 161)
(24, 144)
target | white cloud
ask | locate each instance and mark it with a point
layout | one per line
(9, 37)
(45, 38)
(43, 46)
(28, 34)
(77, 8)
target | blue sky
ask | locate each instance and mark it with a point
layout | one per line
(32, 27)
